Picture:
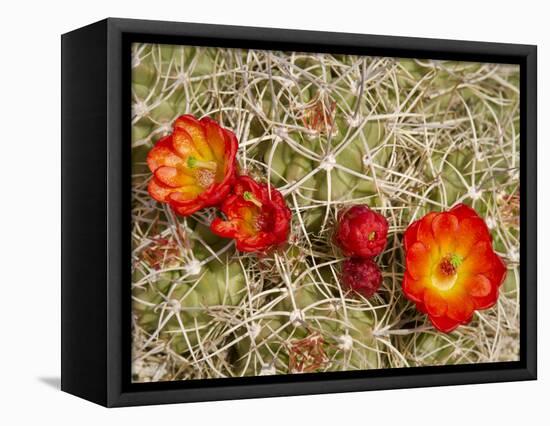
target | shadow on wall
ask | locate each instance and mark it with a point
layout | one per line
(54, 382)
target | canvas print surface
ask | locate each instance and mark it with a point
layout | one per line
(306, 213)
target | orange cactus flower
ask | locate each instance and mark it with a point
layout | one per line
(451, 267)
(194, 167)
(257, 216)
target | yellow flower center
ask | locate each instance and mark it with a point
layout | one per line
(205, 177)
(446, 272)
(205, 171)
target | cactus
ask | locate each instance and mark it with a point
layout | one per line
(403, 136)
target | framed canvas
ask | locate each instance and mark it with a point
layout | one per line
(252, 212)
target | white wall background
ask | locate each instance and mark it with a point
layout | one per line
(30, 211)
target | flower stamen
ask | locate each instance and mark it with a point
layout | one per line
(450, 264)
(205, 178)
(447, 268)
(455, 260)
(249, 196)
(446, 272)
(193, 162)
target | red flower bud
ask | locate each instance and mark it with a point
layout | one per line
(361, 232)
(361, 275)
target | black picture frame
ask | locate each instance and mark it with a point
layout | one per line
(96, 210)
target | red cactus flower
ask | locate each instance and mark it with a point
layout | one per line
(451, 268)
(361, 275)
(361, 232)
(257, 216)
(193, 167)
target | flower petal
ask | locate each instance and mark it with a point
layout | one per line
(418, 260)
(435, 304)
(225, 228)
(185, 195)
(231, 146)
(462, 211)
(460, 308)
(195, 129)
(497, 273)
(216, 139)
(217, 193)
(170, 176)
(189, 208)
(421, 308)
(183, 144)
(445, 227)
(159, 191)
(425, 234)
(487, 301)
(444, 324)
(280, 221)
(258, 242)
(471, 230)
(411, 234)
(163, 155)
(479, 260)
(478, 286)
(413, 289)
